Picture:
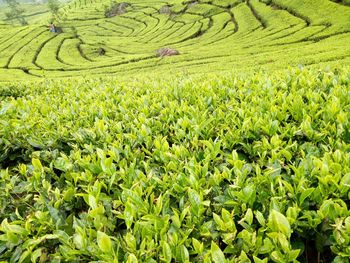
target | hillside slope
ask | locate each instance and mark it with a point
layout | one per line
(210, 35)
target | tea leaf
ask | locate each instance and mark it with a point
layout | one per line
(167, 254)
(104, 242)
(279, 223)
(216, 253)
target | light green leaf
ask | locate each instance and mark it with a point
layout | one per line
(184, 255)
(132, 259)
(267, 246)
(277, 257)
(25, 256)
(243, 258)
(258, 260)
(167, 254)
(249, 216)
(260, 217)
(216, 253)
(14, 229)
(37, 165)
(293, 255)
(92, 202)
(128, 215)
(36, 254)
(339, 259)
(279, 223)
(198, 246)
(219, 222)
(104, 242)
(130, 242)
(305, 194)
(226, 216)
(345, 183)
(195, 201)
(78, 241)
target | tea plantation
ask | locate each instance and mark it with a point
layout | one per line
(210, 35)
(237, 149)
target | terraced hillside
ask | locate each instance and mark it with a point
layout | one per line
(211, 35)
(33, 13)
(247, 164)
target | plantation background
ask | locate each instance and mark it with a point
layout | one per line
(236, 149)
(210, 36)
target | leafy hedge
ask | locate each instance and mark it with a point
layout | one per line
(345, 2)
(246, 168)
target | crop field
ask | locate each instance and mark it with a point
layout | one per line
(209, 35)
(33, 13)
(213, 168)
(234, 149)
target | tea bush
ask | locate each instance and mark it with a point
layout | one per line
(217, 168)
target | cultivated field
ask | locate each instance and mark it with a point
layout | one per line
(210, 36)
(243, 168)
(235, 150)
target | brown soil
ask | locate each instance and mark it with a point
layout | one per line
(117, 9)
(166, 52)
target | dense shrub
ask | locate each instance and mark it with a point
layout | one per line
(249, 168)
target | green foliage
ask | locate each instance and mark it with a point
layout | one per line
(54, 6)
(121, 38)
(15, 11)
(249, 167)
(229, 168)
(345, 2)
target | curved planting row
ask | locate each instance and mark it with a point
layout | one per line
(238, 33)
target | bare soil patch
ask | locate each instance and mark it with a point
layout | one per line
(166, 52)
(117, 9)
